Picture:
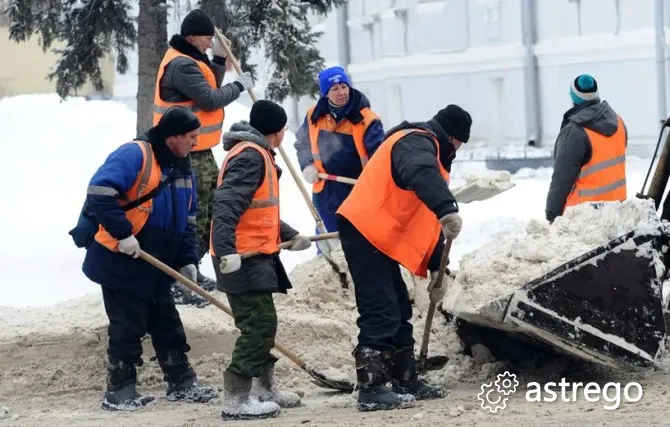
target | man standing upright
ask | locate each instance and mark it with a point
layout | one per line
(187, 77)
(590, 152)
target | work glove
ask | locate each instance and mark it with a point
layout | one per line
(130, 246)
(451, 225)
(437, 294)
(230, 263)
(245, 80)
(311, 174)
(300, 243)
(191, 272)
(217, 47)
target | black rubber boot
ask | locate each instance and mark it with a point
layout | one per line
(372, 376)
(182, 381)
(121, 394)
(405, 379)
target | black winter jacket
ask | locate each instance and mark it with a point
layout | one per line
(243, 176)
(414, 167)
(183, 80)
(572, 149)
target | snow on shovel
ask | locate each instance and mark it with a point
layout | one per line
(318, 377)
(477, 188)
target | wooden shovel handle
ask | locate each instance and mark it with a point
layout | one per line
(284, 245)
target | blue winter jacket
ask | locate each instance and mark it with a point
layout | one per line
(338, 151)
(168, 235)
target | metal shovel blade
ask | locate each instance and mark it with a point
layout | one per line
(321, 380)
(475, 192)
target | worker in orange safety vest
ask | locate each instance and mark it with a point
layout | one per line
(589, 153)
(399, 213)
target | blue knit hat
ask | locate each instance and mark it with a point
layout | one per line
(583, 89)
(332, 76)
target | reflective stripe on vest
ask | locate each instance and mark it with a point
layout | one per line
(357, 134)
(394, 220)
(148, 179)
(210, 131)
(603, 178)
(259, 226)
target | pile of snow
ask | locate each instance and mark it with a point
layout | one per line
(512, 259)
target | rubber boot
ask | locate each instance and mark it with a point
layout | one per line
(264, 388)
(238, 403)
(121, 394)
(405, 378)
(182, 381)
(372, 374)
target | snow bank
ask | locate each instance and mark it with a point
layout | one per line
(512, 259)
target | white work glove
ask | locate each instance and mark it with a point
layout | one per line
(437, 294)
(130, 246)
(217, 47)
(311, 174)
(300, 243)
(451, 225)
(245, 80)
(230, 263)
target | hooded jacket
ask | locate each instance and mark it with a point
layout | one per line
(167, 234)
(573, 150)
(244, 174)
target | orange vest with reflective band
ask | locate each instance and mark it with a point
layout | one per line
(603, 178)
(210, 121)
(148, 179)
(394, 220)
(328, 124)
(258, 228)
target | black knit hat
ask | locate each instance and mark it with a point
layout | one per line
(455, 121)
(267, 117)
(177, 120)
(197, 23)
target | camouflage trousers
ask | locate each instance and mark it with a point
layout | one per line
(206, 173)
(256, 318)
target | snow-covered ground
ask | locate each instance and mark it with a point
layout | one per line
(49, 161)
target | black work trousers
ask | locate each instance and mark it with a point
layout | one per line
(384, 307)
(130, 318)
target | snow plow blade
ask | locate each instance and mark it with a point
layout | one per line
(605, 306)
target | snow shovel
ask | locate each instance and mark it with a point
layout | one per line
(471, 192)
(318, 377)
(423, 363)
(326, 248)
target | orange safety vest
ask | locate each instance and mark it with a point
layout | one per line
(328, 124)
(258, 228)
(210, 121)
(603, 178)
(394, 220)
(147, 180)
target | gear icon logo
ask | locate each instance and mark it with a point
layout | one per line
(490, 399)
(506, 383)
(494, 395)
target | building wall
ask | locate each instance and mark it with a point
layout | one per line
(18, 78)
(412, 57)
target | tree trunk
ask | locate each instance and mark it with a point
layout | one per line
(151, 46)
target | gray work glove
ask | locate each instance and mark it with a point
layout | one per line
(230, 263)
(300, 243)
(191, 273)
(437, 294)
(310, 173)
(245, 80)
(217, 47)
(451, 225)
(130, 246)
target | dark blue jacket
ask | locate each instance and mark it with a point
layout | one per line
(338, 151)
(168, 235)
